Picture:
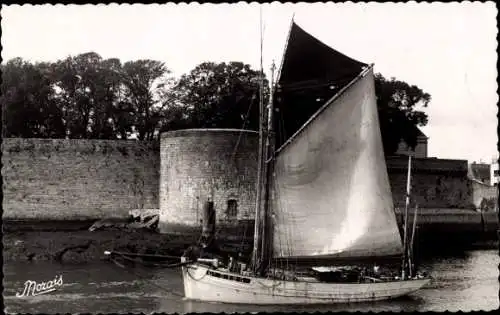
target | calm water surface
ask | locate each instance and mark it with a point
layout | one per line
(461, 282)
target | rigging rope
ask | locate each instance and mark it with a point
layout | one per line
(243, 126)
(245, 121)
(134, 272)
(192, 277)
(139, 261)
(281, 129)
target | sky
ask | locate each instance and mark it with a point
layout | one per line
(446, 49)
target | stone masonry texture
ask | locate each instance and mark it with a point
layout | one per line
(60, 179)
(198, 165)
(57, 179)
(435, 183)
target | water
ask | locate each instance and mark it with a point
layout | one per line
(461, 282)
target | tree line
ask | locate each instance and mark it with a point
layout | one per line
(88, 97)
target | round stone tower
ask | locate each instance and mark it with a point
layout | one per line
(198, 165)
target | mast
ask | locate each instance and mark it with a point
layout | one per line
(405, 233)
(268, 167)
(256, 254)
(261, 247)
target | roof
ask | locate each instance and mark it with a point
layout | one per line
(431, 165)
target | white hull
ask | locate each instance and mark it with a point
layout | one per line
(216, 286)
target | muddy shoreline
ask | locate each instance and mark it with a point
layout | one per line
(85, 246)
(72, 242)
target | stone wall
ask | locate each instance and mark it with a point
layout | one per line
(60, 179)
(202, 164)
(436, 183)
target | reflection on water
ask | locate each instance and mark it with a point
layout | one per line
(465, 282)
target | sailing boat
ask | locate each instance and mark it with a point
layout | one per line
(324, 204)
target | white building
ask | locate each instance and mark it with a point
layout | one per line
(494, 172)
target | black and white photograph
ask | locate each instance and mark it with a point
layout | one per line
(250, 157)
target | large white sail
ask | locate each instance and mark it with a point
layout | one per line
(331, 196)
